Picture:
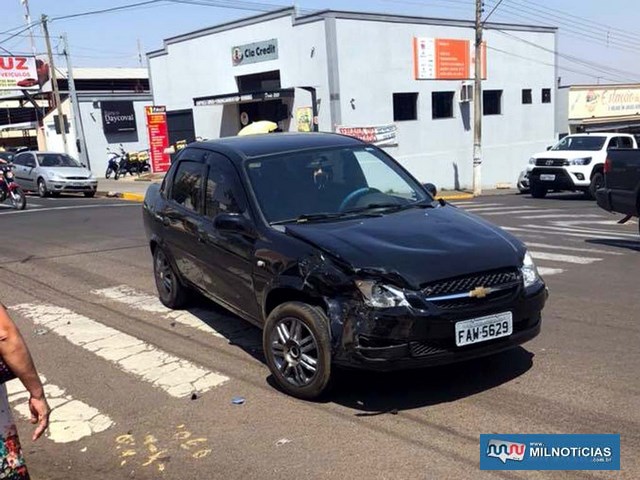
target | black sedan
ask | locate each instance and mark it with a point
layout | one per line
(339, 255)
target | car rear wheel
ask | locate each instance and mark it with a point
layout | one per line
(538, 191)
(42, 188)
(297, 348)
(172, 293)
(597, 181)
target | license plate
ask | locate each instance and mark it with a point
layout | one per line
(547, 178)
(484, 328)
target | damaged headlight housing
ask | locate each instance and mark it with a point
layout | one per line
(529, 271)
(380, 295)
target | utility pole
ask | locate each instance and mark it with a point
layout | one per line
(27, 18)
(477, 104)
(54, 83)
(77, 116)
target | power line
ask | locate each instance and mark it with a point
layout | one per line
(495, 7)
(105, 10)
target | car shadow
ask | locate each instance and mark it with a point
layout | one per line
(628, 244)
(572, 197)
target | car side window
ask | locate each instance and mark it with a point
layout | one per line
(613, 143)
(224, 193)
(624, 142)
(19, 159)
(186, 189)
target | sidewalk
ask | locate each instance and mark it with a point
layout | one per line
(129, 188)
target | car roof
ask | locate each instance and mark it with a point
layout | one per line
(251, 146)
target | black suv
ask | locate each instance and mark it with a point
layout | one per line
(339, 255)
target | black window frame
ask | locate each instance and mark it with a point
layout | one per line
(211, 159)
(484, 102)
(527, 96)
(451, 95)
(414, 102)
(545, 95)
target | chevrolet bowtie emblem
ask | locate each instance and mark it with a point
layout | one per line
(479, 292)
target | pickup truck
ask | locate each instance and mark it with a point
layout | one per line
(575, 163)
(621, 192)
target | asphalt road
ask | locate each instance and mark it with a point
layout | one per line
(76, 274)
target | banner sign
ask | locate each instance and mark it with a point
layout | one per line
(446, 59)
(22, 73)
(381, 135)
(550, 452)
(243, 97)
(603, 102)
(304, 119)
(254, 52)
(158, 138)
(118, 117)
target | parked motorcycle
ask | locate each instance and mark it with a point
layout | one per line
(9, 189)
(113, 166)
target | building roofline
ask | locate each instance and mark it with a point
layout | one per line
(338, 14)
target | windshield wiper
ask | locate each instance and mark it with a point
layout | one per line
(313, 217)
(391, 206)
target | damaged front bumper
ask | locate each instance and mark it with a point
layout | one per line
(410, 337)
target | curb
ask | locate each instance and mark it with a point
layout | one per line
(132, 197)
(456, 196)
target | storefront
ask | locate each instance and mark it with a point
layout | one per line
(401, 82)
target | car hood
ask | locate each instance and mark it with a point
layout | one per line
(568, 154)
(69, 171)
(418, 245)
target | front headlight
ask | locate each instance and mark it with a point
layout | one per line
(529, 271)
(532, 161)
(379, 295)
(580, 161)
(54, 176)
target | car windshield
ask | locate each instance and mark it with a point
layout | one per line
(580, 142)
(56, 160)
(331, 183)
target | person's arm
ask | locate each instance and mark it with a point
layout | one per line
(15, 354)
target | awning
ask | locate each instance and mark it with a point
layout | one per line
(245, 97)
(611, 123)
(19, 126)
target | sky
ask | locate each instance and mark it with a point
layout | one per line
(597, 40)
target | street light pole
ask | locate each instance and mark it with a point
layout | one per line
(477, 104)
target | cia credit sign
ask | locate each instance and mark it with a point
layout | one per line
(254, 52)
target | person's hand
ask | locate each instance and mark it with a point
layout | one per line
(39, 414)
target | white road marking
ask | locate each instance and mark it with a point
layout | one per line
(564, 234)
(480, 205)
(547, 272)
(499, 209)
(593, 231)
(70, 419)
(72, 207)
(177, 377)
(148, 303)
(516, 212)
(454, 202)
(560, 215)
(558, 257)
(573, 249)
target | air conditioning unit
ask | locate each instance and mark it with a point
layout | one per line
(466, 93)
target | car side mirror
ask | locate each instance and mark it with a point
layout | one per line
(431, 188)
(234, 223)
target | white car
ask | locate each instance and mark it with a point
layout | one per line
(575, 163)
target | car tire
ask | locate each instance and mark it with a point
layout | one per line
(597, 181)
(89, 194)
(42, 188)
(295, 336)
(171, 291)
(538, 191)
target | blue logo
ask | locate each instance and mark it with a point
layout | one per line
(550, 452)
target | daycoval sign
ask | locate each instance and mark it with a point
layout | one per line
(254, 52)
(603, 102)
(118, 117)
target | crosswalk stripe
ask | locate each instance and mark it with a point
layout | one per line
(558, 257)
(517, 212)
(547, 272)
(560, 215)
(480, 205)
(593, 231)
(498, 209)
(536, 233)
(177, 377)
(70, 419)
(466, 203)
(573, 249)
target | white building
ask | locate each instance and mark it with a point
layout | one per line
(405, 76)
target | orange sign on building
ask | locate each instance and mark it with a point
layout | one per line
(445, 59)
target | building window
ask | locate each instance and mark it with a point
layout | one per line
(546, 95)
(405, 106)
(492, 102)
(526, 96)
(442, 104)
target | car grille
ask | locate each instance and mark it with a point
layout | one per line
(424, 349)
(77, 178)
(551, 162)
(467, 283)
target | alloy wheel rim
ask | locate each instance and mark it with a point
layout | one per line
(295, 351)
(164, 275)
(41, 187)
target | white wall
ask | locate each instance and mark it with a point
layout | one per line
(376, 60)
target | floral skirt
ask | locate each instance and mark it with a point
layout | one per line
(12, 466)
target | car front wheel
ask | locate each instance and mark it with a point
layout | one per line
(42, 188)
(597, 181)
(298, 350)
(172, 293)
